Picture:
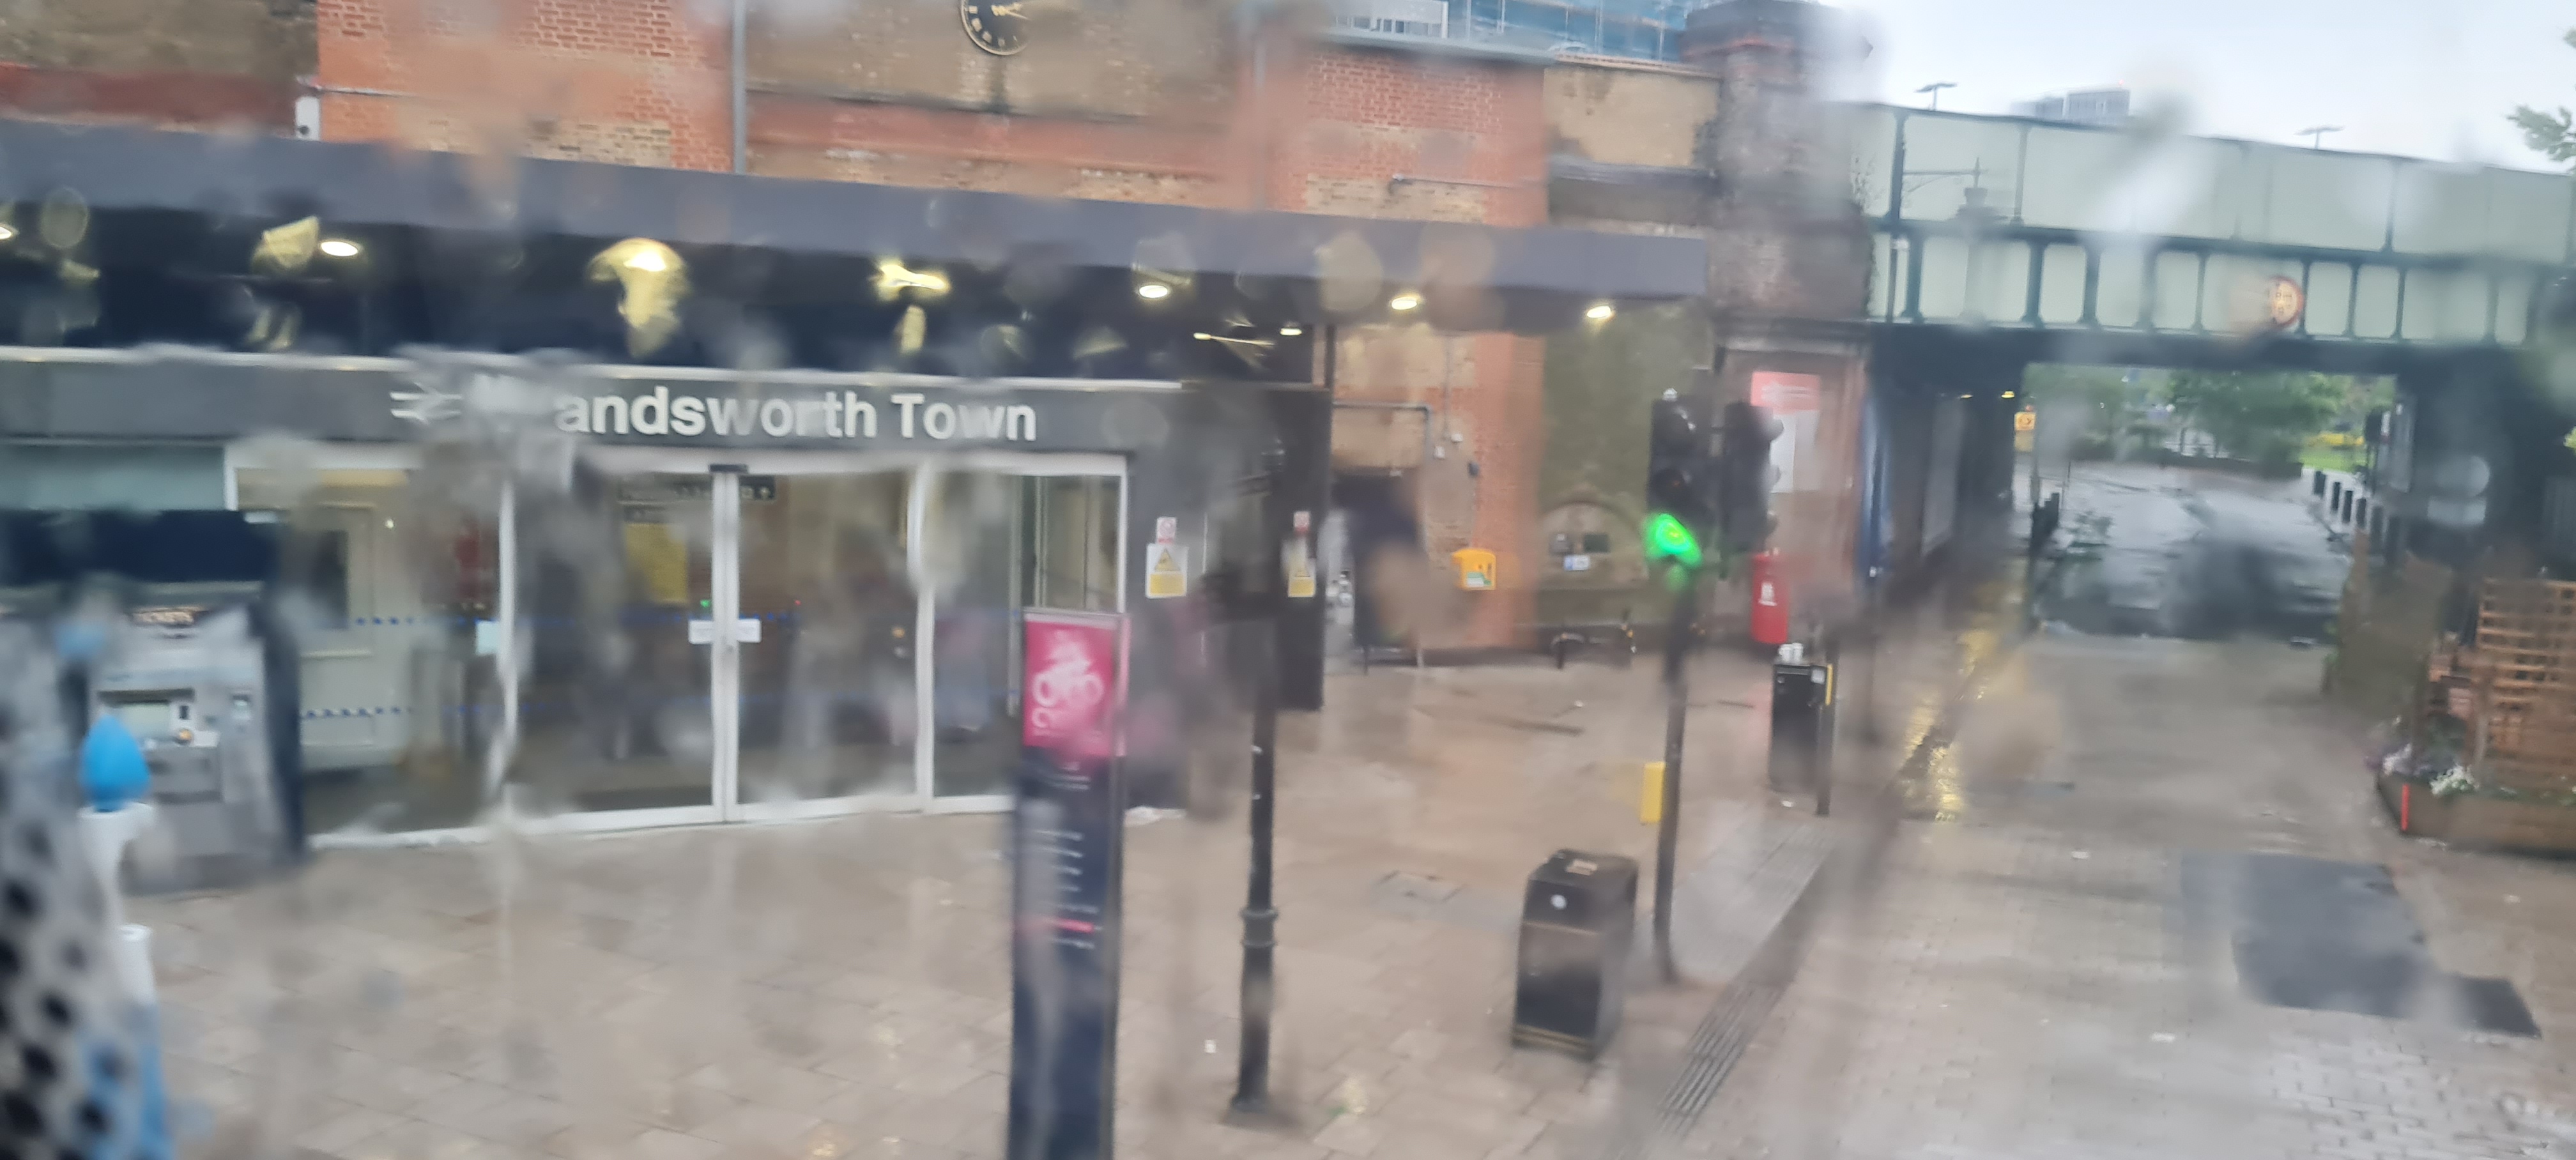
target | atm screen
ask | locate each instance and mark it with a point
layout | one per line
(144, 718)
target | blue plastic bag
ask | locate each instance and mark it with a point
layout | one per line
(112, 772)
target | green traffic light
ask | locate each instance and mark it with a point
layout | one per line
(1668, 538)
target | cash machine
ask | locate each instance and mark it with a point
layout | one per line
(168, 622)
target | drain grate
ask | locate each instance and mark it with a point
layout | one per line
(1715, 1047)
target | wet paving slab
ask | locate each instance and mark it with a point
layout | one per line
(2317, 934)
(2177, 552)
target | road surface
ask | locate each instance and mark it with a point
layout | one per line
(2201, 555)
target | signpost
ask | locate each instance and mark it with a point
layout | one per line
(1066, 835)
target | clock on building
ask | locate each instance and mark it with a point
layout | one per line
(1000, 27)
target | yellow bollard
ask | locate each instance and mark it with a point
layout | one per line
(1650, 794)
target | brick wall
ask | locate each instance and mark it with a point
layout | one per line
(1169, 61)
(1629, 112)
(1323, 129)
(1156, 100)
(1131, 103)
(1468, 136)
(163, 62)
(797, 136)
(637, 82)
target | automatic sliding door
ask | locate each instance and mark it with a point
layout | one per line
(617, 590)
(829, 706)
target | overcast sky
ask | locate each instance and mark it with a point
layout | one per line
(2427, 78)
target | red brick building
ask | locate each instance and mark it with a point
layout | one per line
(1156, 102)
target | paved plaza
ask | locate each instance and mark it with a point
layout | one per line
(2010, 956)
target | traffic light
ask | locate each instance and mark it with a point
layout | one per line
(1678, 511)
(1745, 477)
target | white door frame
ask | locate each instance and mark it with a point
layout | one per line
(925, 471)
(819, 463)
(724, 655)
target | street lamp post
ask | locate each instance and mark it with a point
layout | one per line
(1260, 915)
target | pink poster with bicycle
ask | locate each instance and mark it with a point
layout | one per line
(1073, 682)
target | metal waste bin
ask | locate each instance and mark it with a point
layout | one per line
(1576, 924)
(1801, 699)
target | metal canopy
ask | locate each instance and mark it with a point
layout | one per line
(367, 185)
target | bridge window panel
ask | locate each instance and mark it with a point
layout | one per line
(2119, 297)
(2513, 309)
(2067, 179)
(1999, 283)
(2441, 209)
(1873, 150)
(1946, 156)
(2109, 182)
(2331, 200)
(2177, 290)
(2528, 216)
(2180, 187)
(2061, 285)
(1945, 277)
(1885, 274)
(2464, 306)
(2419, 306)
(2445, 306)
(2329, 298)
(2237, 291)
(2374, 305)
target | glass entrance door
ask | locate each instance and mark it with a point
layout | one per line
(798, 635)
(616, 708)
(829, 624)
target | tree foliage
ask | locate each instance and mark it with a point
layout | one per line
(2098, 386)
(2550, 131)
(2259, 415)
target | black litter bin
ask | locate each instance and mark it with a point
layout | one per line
(1800, 695)
(1576, 924)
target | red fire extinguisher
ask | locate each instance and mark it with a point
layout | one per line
(1770, 600)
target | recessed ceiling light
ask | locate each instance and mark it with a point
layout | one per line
(1405, 301)
(339, 247)
(893, 278)
(1601, 312)
(648, 259)
(1291, 330)
(1152, 291)
(7, 233)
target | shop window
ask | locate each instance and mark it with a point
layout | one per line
(1070, 548)
(382, 574)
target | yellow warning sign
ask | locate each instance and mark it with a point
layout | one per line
(1165, 574)
(1301, 571)
(2025, 420)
